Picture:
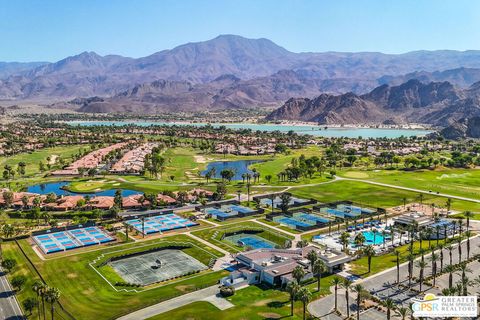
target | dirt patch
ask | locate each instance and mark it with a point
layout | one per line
(53, 159)
(262, 302)
(184, 288)
(72, 275)
(200, 159)
(88, 292)
(269, 315)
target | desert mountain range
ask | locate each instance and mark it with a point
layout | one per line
(235, 72)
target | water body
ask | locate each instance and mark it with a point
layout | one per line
(319, 131)
(56, 187)
(239, 167)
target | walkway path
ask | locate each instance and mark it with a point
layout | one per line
(225, 252)
(171, 304)
(297, 236)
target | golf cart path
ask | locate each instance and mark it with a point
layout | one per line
(168, 305)
(208, 244)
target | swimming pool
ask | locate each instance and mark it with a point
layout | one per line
(374, 238)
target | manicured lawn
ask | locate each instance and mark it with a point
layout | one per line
(254, 302)
(372, 195)
(214, 235)
(278, 163)
(182, 165)
(86, 295)
(458, 182)
(33, 159)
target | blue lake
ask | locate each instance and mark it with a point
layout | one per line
(314, 130)
(239, 167)
(56, 187)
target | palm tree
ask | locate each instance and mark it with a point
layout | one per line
(359, 239)
(428, 233)
(312, 256)
(397, 255)
(37, 287)
(369, 252)
(450, 248)
(358, 288)
(52, 295)
(434, 258)
(346, 284)
(317, 269)
(410, 258)
(468, 215)
(450, 269)
(344, 239)
(402, 312)
(292, 288)
(437, 233)
(305, 296)
(298, 273)
(440, 247)
(336, 281)
(421, 265)
(464, 280)
(390, 305)
(384, 236)
(468, 234)
(459, 249)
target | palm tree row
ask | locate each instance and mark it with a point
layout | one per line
(45, 294)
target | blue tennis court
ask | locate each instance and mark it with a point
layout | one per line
(228, 211)
(161, 223)
(67, 240)
(309, 217)
(293, 222)
(249, 240)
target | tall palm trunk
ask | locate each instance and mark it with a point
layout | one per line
(348, 304)
(336, 290)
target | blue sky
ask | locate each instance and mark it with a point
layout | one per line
(50, 30)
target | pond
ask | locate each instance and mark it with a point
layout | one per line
(239, 167)
(57, 188)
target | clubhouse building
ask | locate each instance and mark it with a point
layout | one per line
(275, 266)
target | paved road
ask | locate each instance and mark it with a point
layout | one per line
(171, 304)
(380, 283)
(9, 308)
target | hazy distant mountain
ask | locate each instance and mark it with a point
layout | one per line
(438, 103)
(9, 68)
(460, 77)
(89, 74)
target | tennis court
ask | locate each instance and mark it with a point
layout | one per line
(249, 240)
(161, 223)
(156, 266)
(71, 239)
(229, 211)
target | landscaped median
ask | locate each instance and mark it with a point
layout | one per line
(86, 294)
